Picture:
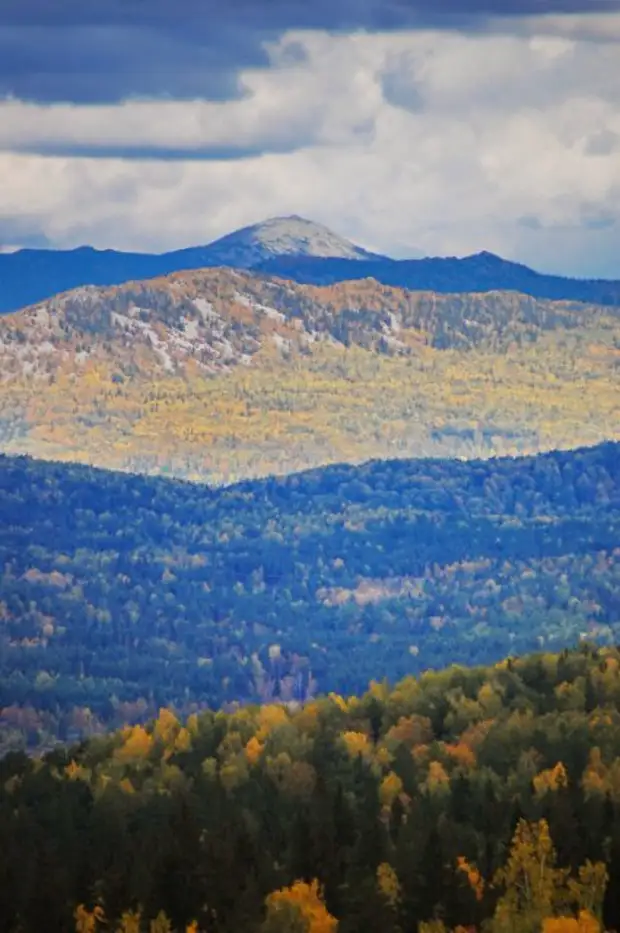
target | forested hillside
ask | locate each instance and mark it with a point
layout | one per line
(120, 594)
(483, 798)
(219, 375)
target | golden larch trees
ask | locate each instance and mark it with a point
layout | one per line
(308, 901)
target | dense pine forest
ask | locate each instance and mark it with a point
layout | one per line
(482, 798)
(122, 594)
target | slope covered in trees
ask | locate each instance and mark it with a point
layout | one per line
(220, 375)
(483, 798)
(120, 594)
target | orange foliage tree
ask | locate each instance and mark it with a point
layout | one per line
(300, 907)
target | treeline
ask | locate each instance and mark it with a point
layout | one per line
(478, 798)
(121, 594)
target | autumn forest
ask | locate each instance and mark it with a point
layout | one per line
(484, 797)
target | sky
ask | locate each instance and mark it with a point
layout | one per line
(412, 127)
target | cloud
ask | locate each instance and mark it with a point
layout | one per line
(108, 62)
(105, 52)
(19, 232)
(307, 97)
(420, 140)
(323, 89)
(603, 142)
(161, 129)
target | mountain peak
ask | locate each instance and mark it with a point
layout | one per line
(486, 256)
(290, 235)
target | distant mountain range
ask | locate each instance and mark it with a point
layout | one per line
(223, 373)
(291, 248)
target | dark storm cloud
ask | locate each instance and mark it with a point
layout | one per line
(157, 153)
(87, 51)
(108, 62)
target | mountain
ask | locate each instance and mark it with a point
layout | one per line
(31, 275)
(220, 374)
(291, 248)
(120, 594)
(481, 272)
(283, 236)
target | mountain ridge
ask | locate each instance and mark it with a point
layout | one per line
(29, 276)
(357, 312)
(168, 592)
(222, 373)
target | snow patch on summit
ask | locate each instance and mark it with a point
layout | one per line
(282, 236)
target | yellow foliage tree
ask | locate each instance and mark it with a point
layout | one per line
(589, 890)
(183, 741)
(391, 787)
(166, 731)
(357, 743)
(130, 922)
(161, 924)
(531, 881)
(411, 730)
(138, 744)
(307, 719)
(432, 926)
(338, 700)
(584, 923)
(535, 889)
(437, 779)
(462, 754)
(76, 772)
(253, 750)
(474, 878)
(388, 884)
(233, 773)
(594, 780)
(383, 756)
(308, 900)
(269, 718)
(86, 920)
(489, 699)
(550, 780)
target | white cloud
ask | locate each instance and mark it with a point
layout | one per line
(433, 141)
